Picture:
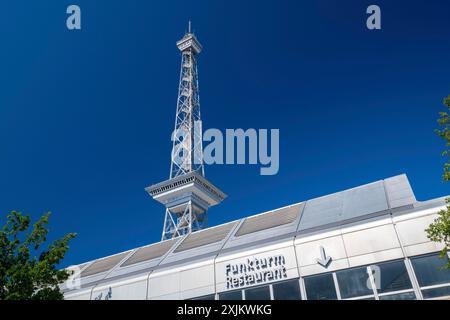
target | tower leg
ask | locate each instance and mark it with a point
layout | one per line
(183, 221)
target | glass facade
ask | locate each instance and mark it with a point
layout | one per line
(393, 276)
(429, 270)
(399, 296)
(259, 293)
(320, 287)
(208, 297)
(354, 282)
(231, 295)
(287, 290)
(436, 292)
(433, 279)
(390, 280)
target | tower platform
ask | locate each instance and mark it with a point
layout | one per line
(187, 199)
(188, 187)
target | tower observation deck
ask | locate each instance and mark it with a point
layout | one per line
(187, 194)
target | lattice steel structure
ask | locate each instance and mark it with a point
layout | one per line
(187, 194)
(187, 154)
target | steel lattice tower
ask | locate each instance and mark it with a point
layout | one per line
(187, 155)
(187, 194)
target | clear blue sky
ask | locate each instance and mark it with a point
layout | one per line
(86, 117)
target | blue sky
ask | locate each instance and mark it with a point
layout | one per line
(86, 116)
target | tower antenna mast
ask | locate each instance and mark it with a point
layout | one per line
(187, 194)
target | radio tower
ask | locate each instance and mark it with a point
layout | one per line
(187, 194)
(187, 154)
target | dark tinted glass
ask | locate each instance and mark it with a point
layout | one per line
(288, 290)
(233, 295)
(391, 276)
(320, 287)
(208, 297)
(436, 292)
(260, 293)
(354, 282)
(400, 296)
(428, 270)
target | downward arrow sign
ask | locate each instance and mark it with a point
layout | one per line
(324, 260)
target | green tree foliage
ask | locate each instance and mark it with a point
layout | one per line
(439, 230)
(28, 272)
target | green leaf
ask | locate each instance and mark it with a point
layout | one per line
(26, 273)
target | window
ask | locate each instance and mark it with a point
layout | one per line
(436, 292)
(208, 297)
(391, 276)
(391, 281)
(259, 293)
(354, 282)
(428, 270)
(433, 279)
(287, 290)
(320, 287)
(399, 296)
(232, 295)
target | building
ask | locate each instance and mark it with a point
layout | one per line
(366, 242)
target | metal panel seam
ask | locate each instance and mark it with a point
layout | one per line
(119, 264)
(174, 246)
(232, 231)
(409, 269)
(300, 278)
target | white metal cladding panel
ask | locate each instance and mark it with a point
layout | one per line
(123, 272)
(412, 231)
(312, 269)
(79, 295)
(269, 220)
(370, 240)
(205, 237)
(149, 252)
(422, 248)
(364, 200)
(197, 292)
(136, 290)
(164, 285)
(104, 264)
(91, 280)
(374, 257)
(171, 296)
(309, 252)
(322, 211)
(399, 191)
(287, 252)
(344, 205)
(197, 277)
